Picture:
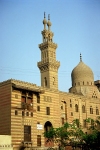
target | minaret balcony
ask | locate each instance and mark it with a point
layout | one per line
(47, 44)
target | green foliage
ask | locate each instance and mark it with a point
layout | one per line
(72, 134)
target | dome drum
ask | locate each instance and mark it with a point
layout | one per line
(82, 83)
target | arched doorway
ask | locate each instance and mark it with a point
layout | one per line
(47, 127)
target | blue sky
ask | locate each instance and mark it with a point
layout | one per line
(76, 27)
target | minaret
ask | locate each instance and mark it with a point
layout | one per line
(48, 65)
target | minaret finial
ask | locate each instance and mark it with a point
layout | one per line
(44, 21)
(80, 57)
(44, 15)
(49, 17)
(49, 23)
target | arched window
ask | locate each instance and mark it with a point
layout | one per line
(97, 111)
(76, 108)
(83, 82)
(91, 110)
(83, 109)
(61, 107)
(45, 82)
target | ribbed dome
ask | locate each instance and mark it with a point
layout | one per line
(82, 75)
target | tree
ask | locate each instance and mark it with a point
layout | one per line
(59, 135)
(92, 139)
(72, 134)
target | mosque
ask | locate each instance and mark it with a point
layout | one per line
(27, 110)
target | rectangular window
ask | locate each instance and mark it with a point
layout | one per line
(16, 112)
(38, 108)
(27, 133)
(38, 140)
(70, 105)
(23, 113)
(27, 113)
(48, 110)
(71, 113)
(38, 98)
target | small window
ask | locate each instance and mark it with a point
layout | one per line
(71, 113)
(38, 140)
(97, 111)
(76, 108)
(23, 113)
(38, 108)
(38, 98)
(16, 112)
(91, 110)
(45, 82)
(31, 114)
(70, 105)
(27, 113)
(48, 110)
(62, 107)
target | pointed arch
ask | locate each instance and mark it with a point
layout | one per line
(76, 108)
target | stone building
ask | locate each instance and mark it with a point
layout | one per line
(27, 110)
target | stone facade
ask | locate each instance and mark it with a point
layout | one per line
(27, 110)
